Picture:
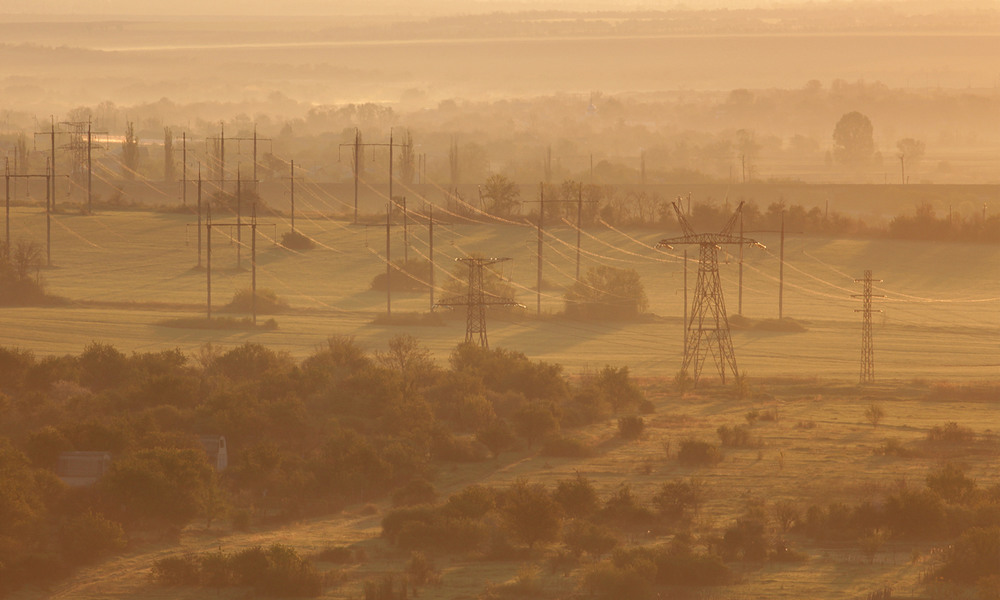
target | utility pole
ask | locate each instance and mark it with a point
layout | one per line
(781, 267)
(15, 176)
(541, 221)
(476, 300)
(253, 139)
(253, 257)
(867, 347)
(708, 329)
(49, 190)
(291, 182)
(406, 237)
(388, 261)
(357, 146)
(541, 225)
(430, 233)
(739, 303)
(208, 249)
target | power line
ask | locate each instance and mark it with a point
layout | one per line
(476, 300)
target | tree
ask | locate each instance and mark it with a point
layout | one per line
(407, 168)
(853, 141)
(534, 421)
(168, 155)
(20, 282)
(911, 152)
(607, 292)
(162, 487)
(503, 195)
(130, 152)
(530, 513)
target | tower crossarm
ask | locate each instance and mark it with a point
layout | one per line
(715, 239)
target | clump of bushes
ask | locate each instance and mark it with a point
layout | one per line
(405, 276)
(631, 427)
(565, 447)
(293, 240)
(698, 453)
(277, 570)
(267, 302)
(950, 433)
(737, 436)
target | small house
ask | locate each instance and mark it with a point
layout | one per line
(82, 468)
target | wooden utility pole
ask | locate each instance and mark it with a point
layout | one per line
(430, 232)
(291, 181)
(781, 268)
(541, 221)
(388, 262)
(15, 176)
(49, 191)
(357, 146)
(253, 258)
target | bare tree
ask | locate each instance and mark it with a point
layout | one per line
(130, 152)
(168, 155)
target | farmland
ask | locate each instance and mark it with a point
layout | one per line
(123, 272)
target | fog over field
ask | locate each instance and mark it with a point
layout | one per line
(499, 299)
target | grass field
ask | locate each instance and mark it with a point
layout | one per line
(123, 272)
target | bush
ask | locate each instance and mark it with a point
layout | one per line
(20, 279)
(176, 570)
(677, 497)
(972, 558)
(405, 276)
(698, 453)
(608, 293)
(577, 496)
(631, 427)
(584, 536)
(563, 447)
(267, 302)
(417, 491)
(950, 432)
(293, 240)
(737, 436)
(90, 537)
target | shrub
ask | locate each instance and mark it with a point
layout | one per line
(584, 536)
(612, 581)
(950, 432)
(737, 436)
(90, 537)
(631, 427)
(698, 453)
(677, 497)
(951, 484)
(972, 558)
(267, 302)
(874, 414)
(564, 447)
(417, 491)
(176, 570)
(405, 276)
(607, 292)
(293, 240)
(577, 496)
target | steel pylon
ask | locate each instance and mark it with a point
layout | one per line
(707, 328)
(476, 300)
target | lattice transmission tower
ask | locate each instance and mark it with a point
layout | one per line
(867, 347)
(707, 328)
(477, 299)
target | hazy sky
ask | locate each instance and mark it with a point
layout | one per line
(333, 7)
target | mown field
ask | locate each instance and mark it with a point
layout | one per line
(123, 272)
